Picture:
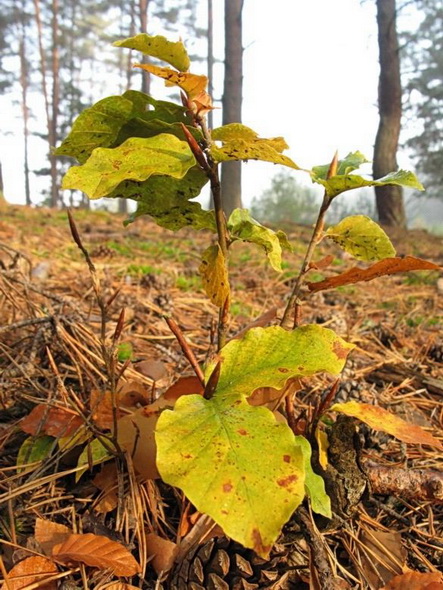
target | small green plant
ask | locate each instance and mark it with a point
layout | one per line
(234, 461)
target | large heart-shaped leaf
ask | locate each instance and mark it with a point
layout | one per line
(173, 53)
(268, 357)
(136, 159)
(234, 462)
(360, 236)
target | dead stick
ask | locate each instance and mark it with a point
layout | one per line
(418, 484)
(175, 329)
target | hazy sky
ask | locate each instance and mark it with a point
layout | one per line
(310, 75)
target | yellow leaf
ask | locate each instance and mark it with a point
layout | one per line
(215, 275)
(323, 445)
(192, 84)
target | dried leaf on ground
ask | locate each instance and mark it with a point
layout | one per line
(383, 555)
(58, 422)
(416, 581)
(96, 551)
(381, 419)
(106, 481)
(49, 533)
(388, 266)
(102, 407)
(183, 386)
(30, 571)
(161, 552)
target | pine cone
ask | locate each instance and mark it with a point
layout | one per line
(102, 251)
(436, 352)
(221, 564)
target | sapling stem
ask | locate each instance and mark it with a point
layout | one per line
(290, 317)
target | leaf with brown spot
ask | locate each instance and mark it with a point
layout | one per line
(57, 422)
(214, 452)
(214, 275)
(48, 534)
(388, 266)
(415, 581)
(29, 571)
(380, 419)
(96, 551)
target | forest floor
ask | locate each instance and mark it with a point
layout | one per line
(51, 354)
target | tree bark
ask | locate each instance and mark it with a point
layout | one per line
(210, 59)
(143, 7)
(55, 102)
(24, 82)
(232, 98)
(389, 199)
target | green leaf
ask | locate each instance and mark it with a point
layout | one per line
(314, 483)
(97, 126)
(352, 161)
(94, 453)
(33, 450)
(234, 462)
(214, 275)
(339, 184)
(174, 53)
(242, 143)
(166, 199)
(135, 159)
(242, 226)
(125, 351)
(363, 238)
(111, 121)
(268, 357)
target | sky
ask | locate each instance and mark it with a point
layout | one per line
(310, 75)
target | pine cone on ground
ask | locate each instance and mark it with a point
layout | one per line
(436, 352)
(221, 564)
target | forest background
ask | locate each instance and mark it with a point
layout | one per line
(310, 74)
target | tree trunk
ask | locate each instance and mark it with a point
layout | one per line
(232, 98)
(389, 199)
(210, 59)
(24, 82)
(55, 101)
(146, 80)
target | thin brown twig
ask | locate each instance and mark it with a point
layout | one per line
(175, 329)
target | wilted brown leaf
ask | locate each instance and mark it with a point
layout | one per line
(183, 386)
(415, 581)
(58, 422)
(382, 556)
(387, 266)
(153, 369)
(96, 551)
(49, 533)
(162, 551)
(380, 419)
(106, 481)
(132, 393)
(29, 571)
(101, 404)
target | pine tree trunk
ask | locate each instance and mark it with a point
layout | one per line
(144, 6)
(24, 82)
(389, 199)
(55, 101)
(210, 59)
(232, 98)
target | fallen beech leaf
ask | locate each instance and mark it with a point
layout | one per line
(57, 422)
(415, 581)
(121, 586)
(183, 386)
(49, 533)
(30, 571)
(162, 551)
(380, 419)
(96, 551)
(132, 393)
(135, 434)
(101, 404)
(388, 266)
(106, 481)
(153, 369)
(383, 555)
